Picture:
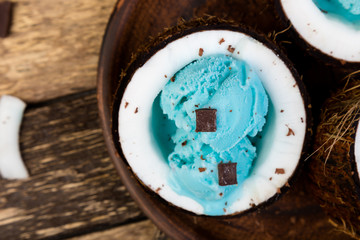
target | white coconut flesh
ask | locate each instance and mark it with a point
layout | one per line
(11, 113)
(329, 35)
(357, 148)
(276, 150)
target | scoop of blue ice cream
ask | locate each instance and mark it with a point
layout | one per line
(232, 88)
(348, 10)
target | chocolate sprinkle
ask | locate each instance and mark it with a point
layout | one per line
(184, 143)
(201, 51)
(202, 169)
(5, 18)
(290, 132)
(231, 49)
(279, 171)
(221, 41)
(205, 120)
(227, 174)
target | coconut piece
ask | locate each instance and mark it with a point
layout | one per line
(178, 47)
(334, 169)
(328, 37)
(11, 113)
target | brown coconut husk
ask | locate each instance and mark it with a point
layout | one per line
(334, 178)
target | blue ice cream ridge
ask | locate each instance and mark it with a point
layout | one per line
(234, 90)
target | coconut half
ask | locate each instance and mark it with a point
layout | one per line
(278, 151)
(334, 169)
(329, 35)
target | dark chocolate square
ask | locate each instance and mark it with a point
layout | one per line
(5, 18)
(205, 120)
(227, 174)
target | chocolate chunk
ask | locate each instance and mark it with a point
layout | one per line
(279, 171)
(5, 18)
(184, 143)
(205, 120)
(227, 174)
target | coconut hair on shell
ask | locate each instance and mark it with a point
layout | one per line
(333, 169)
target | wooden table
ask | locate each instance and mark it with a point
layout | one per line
(50, 61)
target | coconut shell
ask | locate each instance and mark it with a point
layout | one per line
(184, 28)
(340, 64)
(333, 176)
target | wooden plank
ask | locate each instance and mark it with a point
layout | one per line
(75, 191)
(53, 47)
(143, 230)
(74, 187)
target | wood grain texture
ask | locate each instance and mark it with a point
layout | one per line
(143, 230)
(73, 187)
(53, 47)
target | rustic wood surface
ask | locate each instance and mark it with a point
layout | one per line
(53, 47)
(74, 191)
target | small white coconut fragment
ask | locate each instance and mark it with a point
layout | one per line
(11, 113)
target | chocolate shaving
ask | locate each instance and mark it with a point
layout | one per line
(279, 171)
(221, 41)
(205, 120)
(5, 18)
(196, 105)
(227, 174)
(231, 49)
(202, 169)
(201, 51)
(290, 132)
(184, 143)
(202, 158)
(136, 110)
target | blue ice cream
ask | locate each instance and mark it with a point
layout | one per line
(345, 10)
(232, 88)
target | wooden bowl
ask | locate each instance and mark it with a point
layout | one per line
(130, 25)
